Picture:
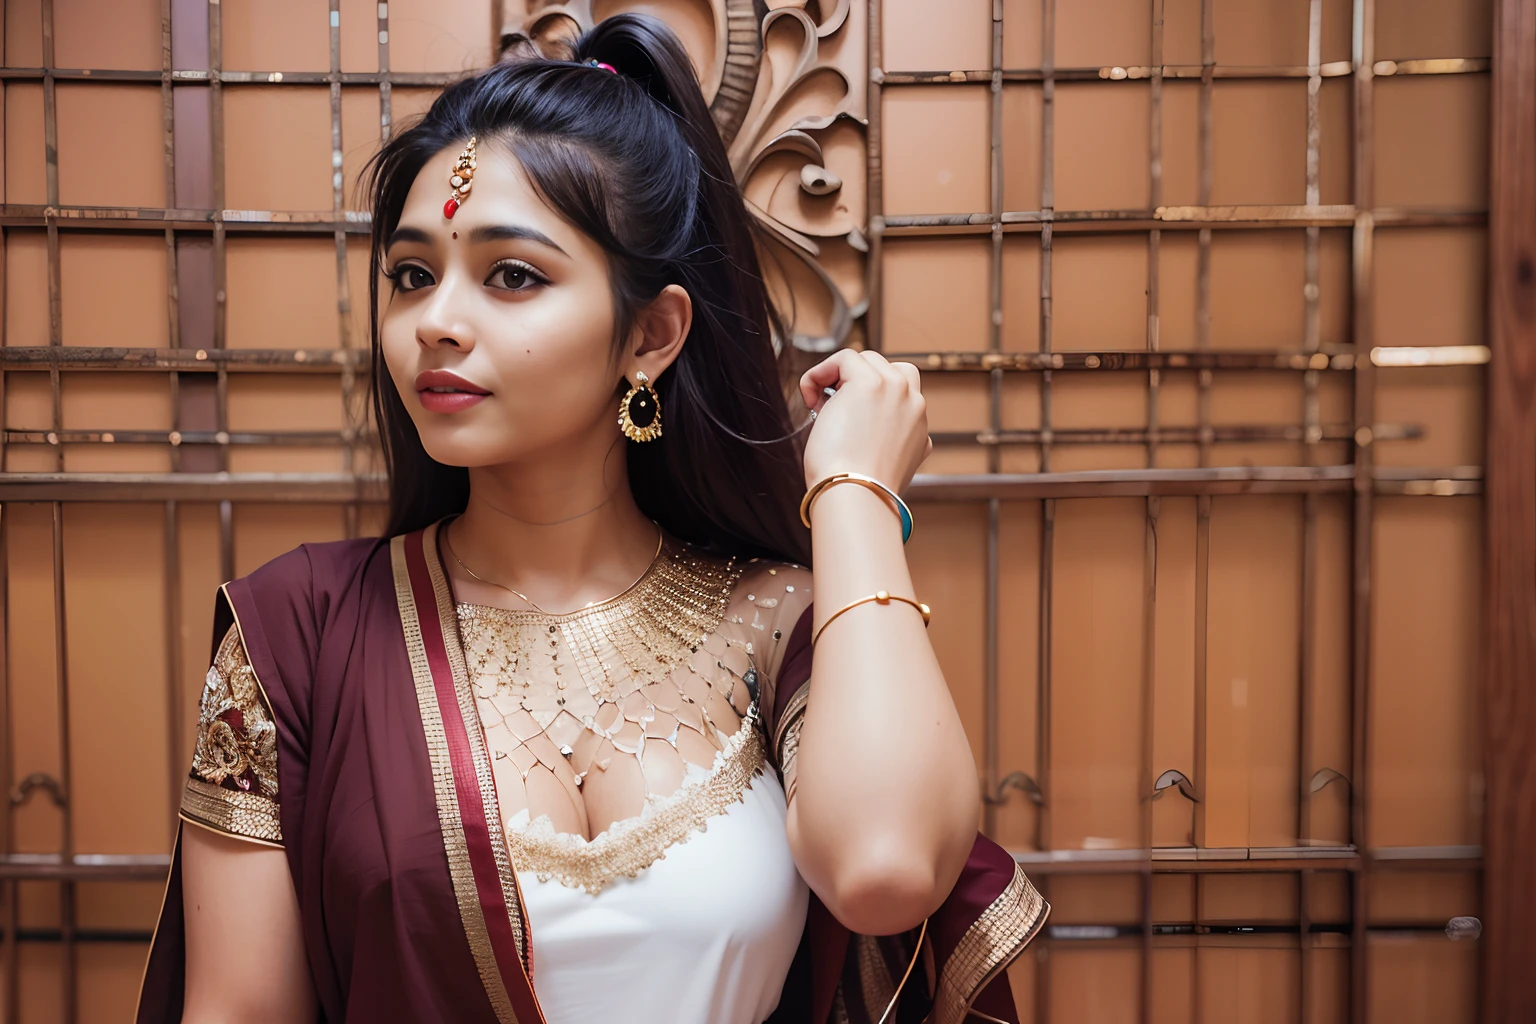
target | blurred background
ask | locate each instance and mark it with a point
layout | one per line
(1199, 290)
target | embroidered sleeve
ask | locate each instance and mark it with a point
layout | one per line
(232, 787)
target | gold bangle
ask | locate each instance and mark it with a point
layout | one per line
(881, 596)
(899, 506)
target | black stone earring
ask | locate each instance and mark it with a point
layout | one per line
(640, 411)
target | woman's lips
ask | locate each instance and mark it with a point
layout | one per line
(442, 391)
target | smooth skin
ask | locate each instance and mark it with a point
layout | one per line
(517, 302)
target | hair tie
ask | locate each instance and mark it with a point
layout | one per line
(595, 63)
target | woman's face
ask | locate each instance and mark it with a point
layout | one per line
(498, 325)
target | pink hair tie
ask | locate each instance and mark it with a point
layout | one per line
(595, 63)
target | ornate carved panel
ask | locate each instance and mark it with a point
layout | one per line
(785, 81)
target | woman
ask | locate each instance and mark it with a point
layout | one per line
(512, 763)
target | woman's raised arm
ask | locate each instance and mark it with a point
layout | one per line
(886, 802)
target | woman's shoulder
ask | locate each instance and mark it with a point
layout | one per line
(766, 604)
(315, 573)
(781, 587)
(776, 575)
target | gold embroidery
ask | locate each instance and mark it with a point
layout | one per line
(988, 947)
(233, 783)
(450, 819)
(240, 814)
(634, 844)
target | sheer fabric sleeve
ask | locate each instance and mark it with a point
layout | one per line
(232, 787)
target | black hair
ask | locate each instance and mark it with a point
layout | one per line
(632, 160)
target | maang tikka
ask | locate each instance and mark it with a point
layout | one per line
(461, 179)
(640, 411)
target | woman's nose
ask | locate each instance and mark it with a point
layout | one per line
(442, 325)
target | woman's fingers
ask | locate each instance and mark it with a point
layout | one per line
(913, 376)
(843, 365)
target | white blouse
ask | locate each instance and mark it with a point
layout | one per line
(685, 906)
(705, 935)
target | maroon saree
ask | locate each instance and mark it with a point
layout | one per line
(409, 903)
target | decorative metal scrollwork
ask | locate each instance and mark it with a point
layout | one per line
(1174, 779)
(39, 780)
(1016, 780)
(1321, 779)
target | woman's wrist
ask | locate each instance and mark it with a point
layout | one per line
(850, 507)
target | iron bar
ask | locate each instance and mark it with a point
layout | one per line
(9, 951)
(1134, 221)
(82, 357)
(178, 438)
(1147, 768)
(1142, 72)
(438, 79)
(368, 487)
(343, 280)
(1363, 43)
(153, 867)
(1164, 435)
(428, 79)
(1045, 600)
(874, 167)
(990, 739)
(1313, 433)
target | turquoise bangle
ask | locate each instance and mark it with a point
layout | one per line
(904, 513)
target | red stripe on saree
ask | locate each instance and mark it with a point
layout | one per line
(477, 836)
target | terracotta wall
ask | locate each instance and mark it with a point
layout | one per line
(1126, 616)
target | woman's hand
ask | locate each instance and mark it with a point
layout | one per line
(876, 424)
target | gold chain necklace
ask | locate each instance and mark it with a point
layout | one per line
(615, 647)
(661, 536)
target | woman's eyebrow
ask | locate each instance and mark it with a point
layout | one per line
(504, 232)
(407, 235)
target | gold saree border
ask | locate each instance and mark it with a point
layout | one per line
(450, 819)
(250, 817)
(988, 946)
(448, 621)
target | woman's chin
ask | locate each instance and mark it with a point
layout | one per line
(466, 453)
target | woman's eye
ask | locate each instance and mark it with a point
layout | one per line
(514, 277)
(411, 277)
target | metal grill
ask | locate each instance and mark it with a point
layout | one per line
(1361, 479)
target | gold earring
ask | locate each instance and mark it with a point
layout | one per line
(640, 411)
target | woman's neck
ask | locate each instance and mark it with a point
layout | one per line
(564, 538)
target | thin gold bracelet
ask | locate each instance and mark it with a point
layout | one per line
(897, 505)
(881, 596)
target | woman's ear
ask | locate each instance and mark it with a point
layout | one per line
(661, 328)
